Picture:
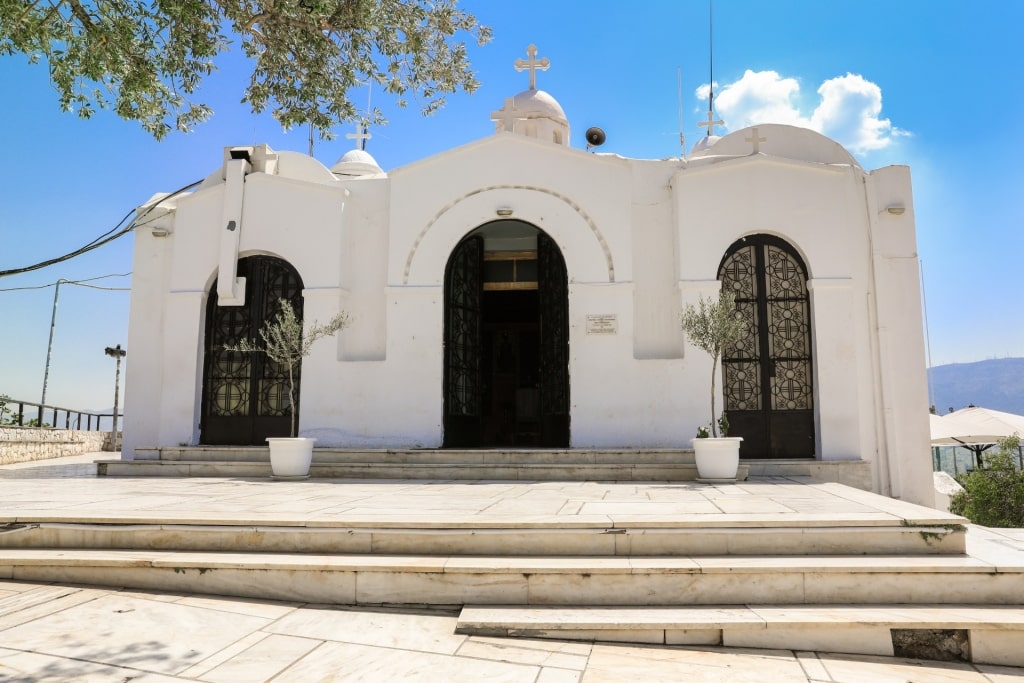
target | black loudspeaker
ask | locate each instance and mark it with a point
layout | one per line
(595, 137)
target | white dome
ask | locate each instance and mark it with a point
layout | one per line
(356, 162)
(535, 114)
(537, 104)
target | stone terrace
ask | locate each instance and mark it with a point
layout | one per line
(787, 563)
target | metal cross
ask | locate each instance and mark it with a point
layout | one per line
(711, 123)
(506, 117)
(532, 64)
(755, 140)
(361, 135)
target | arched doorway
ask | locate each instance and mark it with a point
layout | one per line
(767, 383)
(506, 343)
(245, 395)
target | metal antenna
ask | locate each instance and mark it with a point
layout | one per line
(711, 122)
(679, 93)
(711, 65)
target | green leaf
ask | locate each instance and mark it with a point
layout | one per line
(144, 60)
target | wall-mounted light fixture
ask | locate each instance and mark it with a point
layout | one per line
(504, 212)
(160, 232)
(895, 210)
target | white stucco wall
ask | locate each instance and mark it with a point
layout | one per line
(640, 240)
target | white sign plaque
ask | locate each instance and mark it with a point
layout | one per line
(603, 323)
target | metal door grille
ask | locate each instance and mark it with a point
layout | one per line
(245, 395)
(768, 380)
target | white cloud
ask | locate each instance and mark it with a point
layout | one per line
(704, 89)
(849, 110)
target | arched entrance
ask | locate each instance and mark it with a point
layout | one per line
(245, 395)
(506, 340)
(767, 384)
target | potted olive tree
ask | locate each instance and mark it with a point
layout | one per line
(284, 342)
(713, 326)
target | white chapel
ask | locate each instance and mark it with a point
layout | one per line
(515, 292)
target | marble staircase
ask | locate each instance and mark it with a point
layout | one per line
(578, 464)
(770, 562)
(428, 463)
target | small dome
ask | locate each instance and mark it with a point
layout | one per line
(704, 145)
(785, 141)
(356, 162)
(535, 114)
(537, 103)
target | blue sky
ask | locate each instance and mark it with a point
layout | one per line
(933, 84)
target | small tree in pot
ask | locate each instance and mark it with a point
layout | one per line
(713, 326)
(284, 342)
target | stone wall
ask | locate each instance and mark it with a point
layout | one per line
(23, 444)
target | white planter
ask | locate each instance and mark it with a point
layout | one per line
(717, 458)
(290, 457)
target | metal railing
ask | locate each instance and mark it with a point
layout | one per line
(11, 416)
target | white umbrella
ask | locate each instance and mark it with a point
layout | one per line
(976, 429)
(975, 426)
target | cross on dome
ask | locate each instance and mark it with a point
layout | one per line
(710, 123)
(506, 117)
(532, 64)
(361, 135)
(755, 140)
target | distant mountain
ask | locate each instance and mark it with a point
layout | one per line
(997, 384)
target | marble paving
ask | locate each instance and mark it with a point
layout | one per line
(72, 493)
(55, 634)
(60, 633)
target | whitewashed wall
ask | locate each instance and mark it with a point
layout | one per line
(640, 240)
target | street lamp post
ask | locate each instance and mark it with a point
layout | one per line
(118, 353)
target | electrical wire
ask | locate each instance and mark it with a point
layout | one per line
(74, 282)
(107, 237)
(109, 289)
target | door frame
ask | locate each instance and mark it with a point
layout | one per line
(267, 279)
(464, 382)
(769, 431)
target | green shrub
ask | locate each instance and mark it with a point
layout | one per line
(993, 496)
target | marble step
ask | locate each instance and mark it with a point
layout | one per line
(535, 581)
(447, 456)
(537, 536)
(435, 471)
(576, 464)
(989, 634)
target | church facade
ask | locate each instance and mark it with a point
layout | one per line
(516, 292)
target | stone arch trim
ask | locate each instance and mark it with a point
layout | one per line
(598, 236)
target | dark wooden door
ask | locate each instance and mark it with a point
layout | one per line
(462, 350)
(553, 286)
(769, 397)
(245, 395)
(506, 359)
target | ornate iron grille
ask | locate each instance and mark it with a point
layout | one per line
(554, 331)
(245, 396)
(277, 283)
(227, 374)
(741, 364)
(789, 331)
(462, 329)
(768, 381)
